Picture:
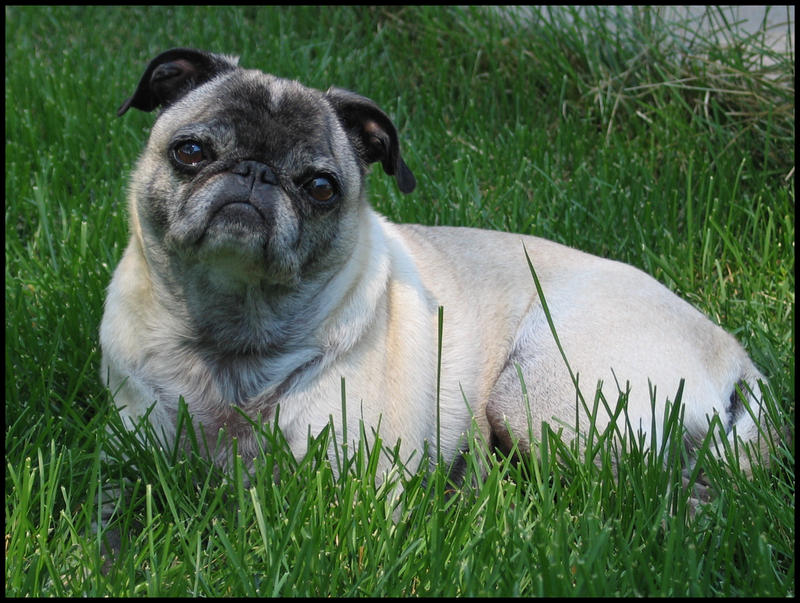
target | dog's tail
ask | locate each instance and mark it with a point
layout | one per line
(749, 428)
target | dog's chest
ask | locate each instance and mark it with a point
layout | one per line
(210, 382)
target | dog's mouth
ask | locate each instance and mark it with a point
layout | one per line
(239, 211)
(234, 224)
(225, 220)
(240, 241)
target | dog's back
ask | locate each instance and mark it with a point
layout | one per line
(613, 327)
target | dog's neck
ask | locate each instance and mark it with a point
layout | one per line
(227, 316)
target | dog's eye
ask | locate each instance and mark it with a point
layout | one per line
(321, 189)
(189, 153)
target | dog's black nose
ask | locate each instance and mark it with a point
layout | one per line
(255, 172)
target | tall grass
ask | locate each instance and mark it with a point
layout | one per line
(613, 131)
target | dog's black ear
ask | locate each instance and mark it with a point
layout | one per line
(372, 133)
(172, 74)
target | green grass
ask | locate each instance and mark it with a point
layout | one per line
(642, 142)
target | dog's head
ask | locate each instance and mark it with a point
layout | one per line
(259, 176)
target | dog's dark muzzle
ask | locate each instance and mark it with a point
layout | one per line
(249, 186)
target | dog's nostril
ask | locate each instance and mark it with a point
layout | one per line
(256, 170)
(243, 169)
(268, 176)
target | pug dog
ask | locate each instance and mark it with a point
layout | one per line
(259, 285)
